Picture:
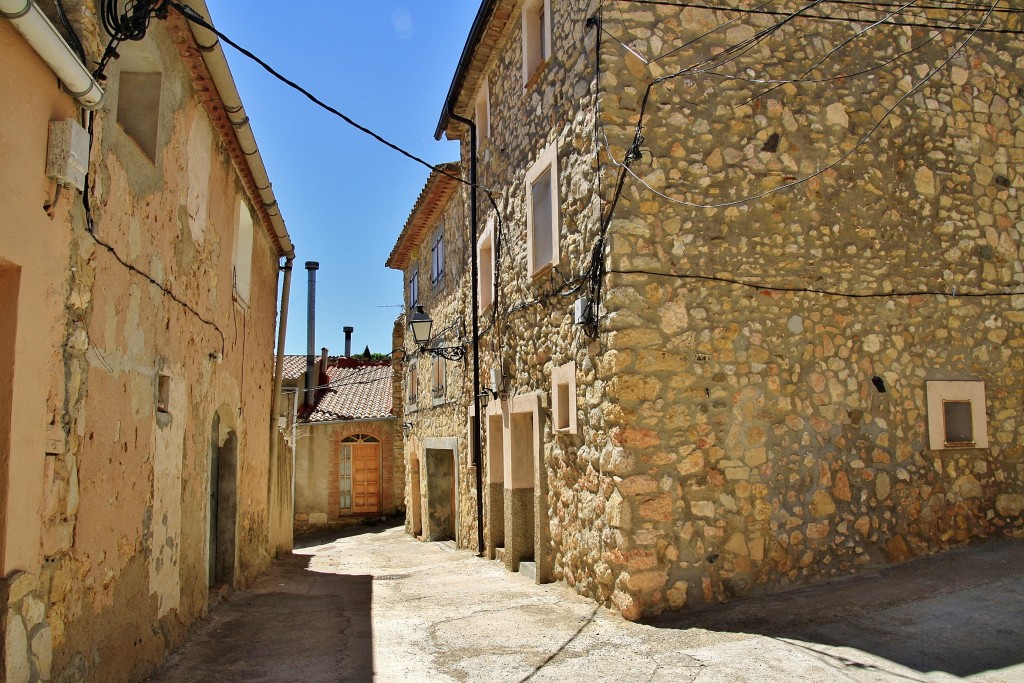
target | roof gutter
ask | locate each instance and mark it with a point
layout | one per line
(217, 64)
(483, 15)
(50, 45)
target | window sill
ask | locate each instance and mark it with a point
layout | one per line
(531, 82)
(438, 400)
(543, 270)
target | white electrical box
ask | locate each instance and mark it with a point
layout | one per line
(581, 311)
(67, 155)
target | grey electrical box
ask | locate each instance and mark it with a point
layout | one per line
(581, 311)
(67, 155)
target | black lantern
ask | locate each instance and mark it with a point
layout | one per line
(421, 325)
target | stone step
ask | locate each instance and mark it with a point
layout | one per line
(499, 554)
(528, 569)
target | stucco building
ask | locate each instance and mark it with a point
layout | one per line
(138, 314)
(347, 443)
(752, 291)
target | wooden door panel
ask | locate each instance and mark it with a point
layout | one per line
(365, 478)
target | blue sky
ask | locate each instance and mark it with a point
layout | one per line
(344, 196)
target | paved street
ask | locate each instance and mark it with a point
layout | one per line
(375, 604)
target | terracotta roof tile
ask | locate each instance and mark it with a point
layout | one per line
(294, 367)
(359, 393)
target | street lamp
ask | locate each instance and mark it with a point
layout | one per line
(421, 324)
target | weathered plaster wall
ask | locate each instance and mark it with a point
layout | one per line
(112, 524)
(34, 284)
(317, 483)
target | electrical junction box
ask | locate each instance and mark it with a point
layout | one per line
(581, 311)
(67, 155)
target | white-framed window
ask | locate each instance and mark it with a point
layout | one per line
(242, 273)
(411, 384)
(956, 415)
(485, 258)
(542, 213)
(438, 371)
(483, 114)
(563, 398)
(414, 288)
(536, 36)
(437, 257)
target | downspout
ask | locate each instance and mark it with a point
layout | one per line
(473, 225)
(49, 44)
(275, 410)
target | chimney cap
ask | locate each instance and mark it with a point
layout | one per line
(312, 265)
(347, 329)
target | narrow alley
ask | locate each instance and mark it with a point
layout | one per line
(374, 604)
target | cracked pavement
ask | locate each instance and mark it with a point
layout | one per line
(374, 604)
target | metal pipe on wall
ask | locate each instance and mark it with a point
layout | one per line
(311, 379)
(49, 44)
(476, 446)
(275, 411)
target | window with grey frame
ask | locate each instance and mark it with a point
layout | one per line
(437, 257)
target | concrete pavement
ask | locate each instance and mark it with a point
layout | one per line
(378, 601)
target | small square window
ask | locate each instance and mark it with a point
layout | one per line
(563, 399)
(163, 394)
(957, 423)
(956, 415)
(138, 108)
(542, 211)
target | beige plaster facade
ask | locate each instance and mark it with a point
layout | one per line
(136, 380)
(751, 375)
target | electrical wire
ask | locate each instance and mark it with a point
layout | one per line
(76, 44)
(820, 171)
(131, 25)
(194, 17)
(760, 286)
(823, 17)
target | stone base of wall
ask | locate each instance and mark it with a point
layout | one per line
(24, 630)
(307, 524)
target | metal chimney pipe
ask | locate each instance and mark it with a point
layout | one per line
(348, 340)
(311, 267)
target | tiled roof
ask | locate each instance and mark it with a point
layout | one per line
(429, 205)
(294, 367)
(361, 393)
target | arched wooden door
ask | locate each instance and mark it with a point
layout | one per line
(361, 453)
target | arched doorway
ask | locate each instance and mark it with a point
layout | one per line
(360, 473)
(223, 504)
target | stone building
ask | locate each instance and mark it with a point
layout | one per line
(435, 391)
(753, 291)
(349, 465)
(139, 313)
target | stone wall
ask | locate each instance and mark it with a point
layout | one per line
(433, 419)
(767, 360)
(752, 413)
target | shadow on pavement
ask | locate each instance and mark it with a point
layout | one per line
(319, 538)
(957, 612)
(293, 625)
